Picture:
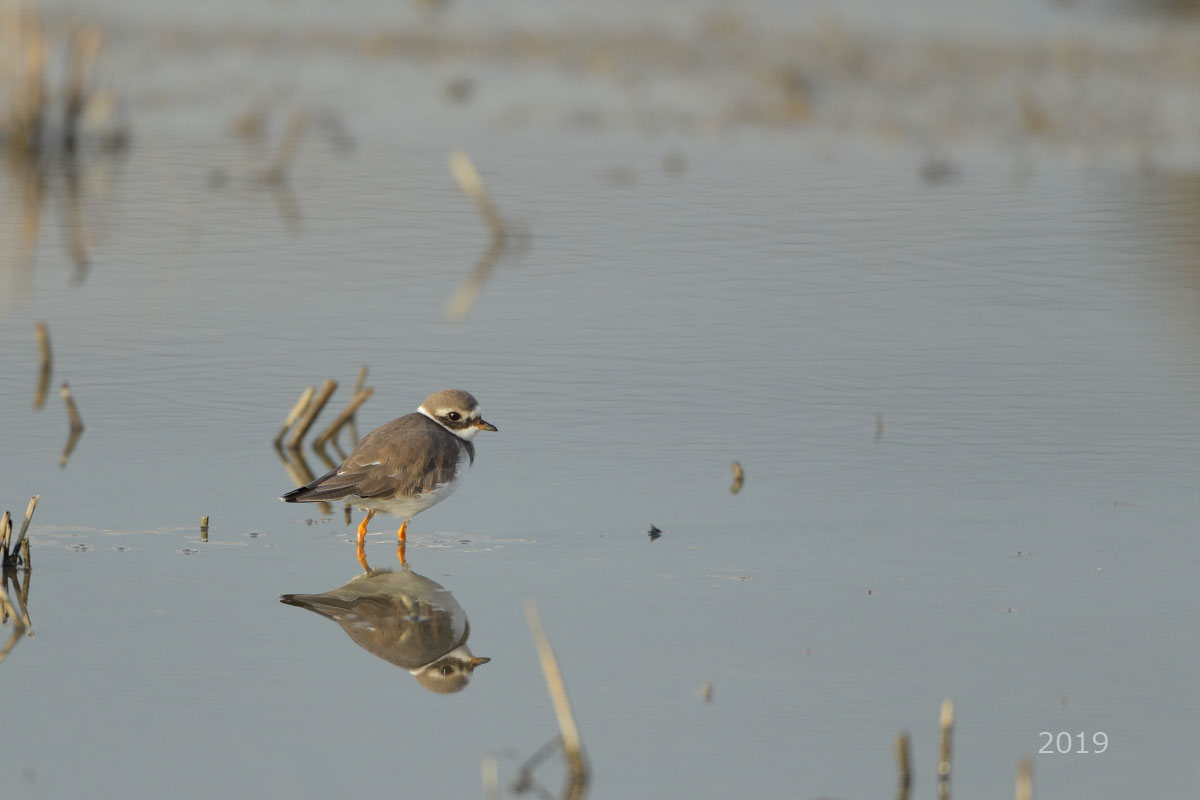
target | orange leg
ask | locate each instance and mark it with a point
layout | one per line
(362, 526)
(400, 531)
(362, 556)
(400, 554)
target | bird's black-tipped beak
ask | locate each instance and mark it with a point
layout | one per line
(484, 425)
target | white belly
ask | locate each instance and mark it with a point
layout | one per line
(408, 507)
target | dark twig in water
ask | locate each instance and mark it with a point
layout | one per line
(46, 364)
(310, 414)
(903, 767)
(572, 745)
(739, 477)
(293, 415)
(654, 532)
(945, 731)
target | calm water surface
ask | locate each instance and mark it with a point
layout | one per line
(1016, 535)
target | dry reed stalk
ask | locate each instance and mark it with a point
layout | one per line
(69, 447)
(739, 477)
(72, 410)
(945, 731)
(310, 414)
(46, 364)
(76, 424)
(572, 745)
(472, 186)
(5, 533)
(22, 39)
(903, 767)
(341, 419)
(84, 48)
(204, 528)
(1024, 783)
(33, 501)
(294, 414)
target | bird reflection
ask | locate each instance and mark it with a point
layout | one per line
(405, 619)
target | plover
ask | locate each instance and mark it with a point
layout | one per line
(407, 465)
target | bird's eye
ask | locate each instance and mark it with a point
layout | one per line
(446, 669)
(454, 416)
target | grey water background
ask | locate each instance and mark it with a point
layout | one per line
(1019, 535)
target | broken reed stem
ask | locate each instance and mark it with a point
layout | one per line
(342, 418)
(577, 770)
(739, 477)
(294, 414)
(1024, 784)
(5, 533)
(42, 334)
(903, 767)
(472, 186)
(33, 501)
(310, 414)
(945, 731)
(204, 529)
(361, 380)
(72, 410)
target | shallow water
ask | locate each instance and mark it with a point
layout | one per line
(967, 413)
